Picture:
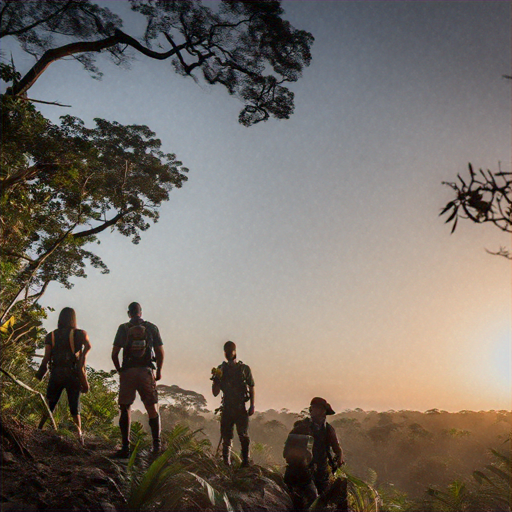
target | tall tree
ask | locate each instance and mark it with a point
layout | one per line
(244, 45)
(64, 184)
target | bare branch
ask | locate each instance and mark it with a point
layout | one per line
(102, 227)
(23, 175)
(45, 102)
(23, 385)
(16, 255)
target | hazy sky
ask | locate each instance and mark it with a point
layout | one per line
(315, 243)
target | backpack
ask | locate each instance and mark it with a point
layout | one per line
(298, 449)
(233, 385)
(68, 359)
(138, 351)
(137, 339)
(63, 354)
(300, 445)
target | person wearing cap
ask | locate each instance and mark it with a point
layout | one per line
(142, 345)
(236, 382)
(308, 476)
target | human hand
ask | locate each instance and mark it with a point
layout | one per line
(250, 412)
(40, 373)
(216, 374)
(158, 375)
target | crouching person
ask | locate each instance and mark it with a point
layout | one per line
(310, 463)
(142, 345)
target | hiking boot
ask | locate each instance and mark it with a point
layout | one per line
(81, 440)
(123, 453)
(157, 447)
(154, 425)
(226, 455)
(245, 452)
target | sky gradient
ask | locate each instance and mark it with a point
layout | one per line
(315, 243)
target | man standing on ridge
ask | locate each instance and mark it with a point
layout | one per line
(235, 380)
(142, 345)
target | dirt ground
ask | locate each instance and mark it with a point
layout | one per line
(42, 471)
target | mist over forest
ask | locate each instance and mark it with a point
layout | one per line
(398, 451)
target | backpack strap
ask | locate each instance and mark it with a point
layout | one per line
(72, 340)
(330, 456)
(128, 325)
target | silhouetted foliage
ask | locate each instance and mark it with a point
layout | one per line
(484, 197)
(245, 46)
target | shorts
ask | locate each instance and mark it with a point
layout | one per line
(231, 417)
(141, 380)
(60, 379)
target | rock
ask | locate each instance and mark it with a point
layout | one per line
(18, 506)
(36, 483)
(41, 467)
(8, 458)
(91, 475)
(107, 507)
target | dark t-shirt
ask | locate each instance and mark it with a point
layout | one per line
(153, 340)
(61, 349)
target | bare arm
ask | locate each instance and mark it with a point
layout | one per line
(251, 397)
(216, 387)
(159, 355)
(335, 445)
(44, 363)
(85, 350)
(115, 357)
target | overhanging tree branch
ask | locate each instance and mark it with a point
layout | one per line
(102, 227)
(55, 54)
(23, 175)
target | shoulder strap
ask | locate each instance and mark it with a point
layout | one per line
(53, 339)
(72, 341)
(329, 428)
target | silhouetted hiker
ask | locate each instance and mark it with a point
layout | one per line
(142, 345)
(65, 350)
(235, 380)
(309, 459)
